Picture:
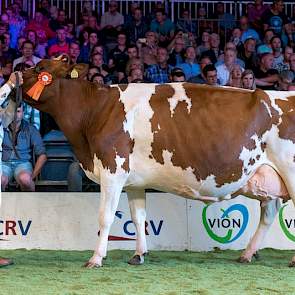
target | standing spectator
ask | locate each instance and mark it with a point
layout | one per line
(62, 46)
(266, 76)
(160, 72)
(112, 20)
(45, 8)
(247, 32)
(255, 13)
(92, 23)
(130, 16)
(190, 67)
(276, 46)
(163, 26)
(185, 23)
(74, 52)
(137, 27)
(214, 51)
(28, 55)
(223, 70)
(226, 20)
(248, 80)
(274, 18)
(28, 141)
(53, 22)
(235, 76)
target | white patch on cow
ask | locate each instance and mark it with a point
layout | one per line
(179, 95)
(267, 107)
(282, 95)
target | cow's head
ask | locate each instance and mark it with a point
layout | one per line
(58, 68)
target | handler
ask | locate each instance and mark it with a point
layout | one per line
(4, 92)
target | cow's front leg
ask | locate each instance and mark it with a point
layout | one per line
(269, 210)
(137, 205)
(111, 188)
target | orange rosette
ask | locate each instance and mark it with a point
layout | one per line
(44, 79)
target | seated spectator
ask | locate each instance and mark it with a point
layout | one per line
(27, 57)
(248, 80)
(19, 166)
(148, 48)
(210, 75)
(205, 45)
(176, 56)
(292, 63)
(199, 79)
(285, 79)
(235, 76)
(285, 65)
(268, 35)
(112, 20)
(266, 76)
(230, 45)
(137, 27)
(132, 51)
(247, 32)
(235, 38)
(135, 75)
(160, 72)
(215, 50)
(255, 13)
(177, 75)
(39, 49)
(81, 28)
(70, 30)
(45, 8)
(132, 64)
(276, 46)
(185, 23)
(74, 52)
(190, 67)
(97, 78)
(97, 61)
(101, 50)
(92, 71)
(223, 70)
(248, 54)
(164, 27)
(62, 46)
(87, 47)
(20, 42)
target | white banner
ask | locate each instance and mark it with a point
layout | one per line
(69, 221)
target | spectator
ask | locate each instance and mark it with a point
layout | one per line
(285, 65)
(135, 75)
(62, 46)
(87, 9)
(128, 19)
(45, 8)
(27, 57)
(292, 63)
(176, 56)
(92, 71)
(87, 46)
(97, 78)
(236, 37)
(226, 20)
(274, 17)
(248, 53)
(285, 79)
(40, 49)
(214, 51)
(199, 79)
(3, 28)
(163, 27)
(20, 42)
(160, 72)
(74, 52)
(132, 51)
(92, 23)
(276, 46)
(53, 22)
(148, 48)
(268, 35)
(185, 23)
(137, 27)
(248, 80)
(247, 32)
(81, 28)
(255, 13)
(266, 76)
(205, 45)
(229, 45)
(101, 50)
(112, 20)
(210, 75)
(61, 18)
(223, 70)
(235, 76)
(97, 61)
(190, 67)
(177, 75)
(9, 54)
(20, 166)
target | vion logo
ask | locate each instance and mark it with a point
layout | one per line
(152, 227)
(14, 227)
(229, 226)
(287, 224)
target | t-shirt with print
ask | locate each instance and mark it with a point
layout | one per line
(275, 22)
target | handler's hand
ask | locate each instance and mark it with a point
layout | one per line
(12, 78)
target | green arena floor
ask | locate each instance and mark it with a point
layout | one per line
(169, 273)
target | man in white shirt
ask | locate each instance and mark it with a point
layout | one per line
(4, 92)
(112, 18)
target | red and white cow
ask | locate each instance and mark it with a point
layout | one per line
(200, 142)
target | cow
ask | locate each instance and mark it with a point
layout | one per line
(197, 141)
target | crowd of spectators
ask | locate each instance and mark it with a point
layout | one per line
(256, 50)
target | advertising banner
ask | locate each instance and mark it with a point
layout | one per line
(69, 221)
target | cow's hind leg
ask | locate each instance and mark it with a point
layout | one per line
(137, 205)
(269, 210)
(111, 188)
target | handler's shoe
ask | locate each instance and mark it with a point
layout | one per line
(5, 262)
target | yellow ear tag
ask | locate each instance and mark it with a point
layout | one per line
(74, 74)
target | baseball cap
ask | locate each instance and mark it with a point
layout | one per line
(262, 49)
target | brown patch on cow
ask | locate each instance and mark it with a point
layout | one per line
(263, 146)
(258, 157)
(286, 128)
(251, 145)
(211, 137)
(251, 162)
(123, 87)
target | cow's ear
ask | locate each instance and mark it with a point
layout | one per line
(78, 71)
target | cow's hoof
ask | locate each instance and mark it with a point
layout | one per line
(256, 255)
(89, 264)
(136, 260)
(292, 264)
(243, 259)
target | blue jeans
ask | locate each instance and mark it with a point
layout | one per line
(12, 169)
